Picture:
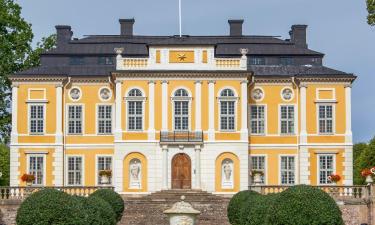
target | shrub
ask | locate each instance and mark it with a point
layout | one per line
(304, 205)
(236, 205)
(97, 211)
(256, 212)
(113, 199)
(49, 206)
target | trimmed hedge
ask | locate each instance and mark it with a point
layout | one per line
(256, 212)
(113, 199)
(50, 206)
(98, 211)
(236, 204)
(305, 205)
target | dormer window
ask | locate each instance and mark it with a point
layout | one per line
(257, 61)
(77, 60)
(105, 61)
(286, 61)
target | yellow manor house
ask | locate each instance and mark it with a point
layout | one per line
(149, 113)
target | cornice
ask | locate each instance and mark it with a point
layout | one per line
(41, 78)
(181, 74)
(332, 79)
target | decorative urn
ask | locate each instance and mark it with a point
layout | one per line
(182, 213)
(369, 179)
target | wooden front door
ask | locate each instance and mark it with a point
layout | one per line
(181, 171)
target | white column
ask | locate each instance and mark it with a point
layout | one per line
(118, 129)
(211, 110)
(303, 150)
(198, 105)
(303, 134)
(348, 113)
(165, 167)
(58, 166)
(244, 129)
(14, 166)
(14, 134)
(198, 167)
(151, 110)
(164, 105)
(59, 112)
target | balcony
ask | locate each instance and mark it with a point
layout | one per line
(181, 137)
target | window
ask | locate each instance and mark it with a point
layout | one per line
(181, 110)
(36, 119)
(286, 61)
(36, 168)
(105, 61)
(227, 110)
(257, 119)
(326, 168)
(258, 163)
(287, 119)
(257, 61)
(287, 169)
(75, 119)
(77, 60)
(325, 119)
(104, 163)
(135, 110)
(104, 119)
(74, 170)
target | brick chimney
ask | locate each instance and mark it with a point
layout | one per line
(63, 34)
(298, 35)
(235, 27)
(126, 26)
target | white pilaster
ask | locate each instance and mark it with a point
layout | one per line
(59, 117)
(304, 154)
(14, 133)
(14, 167)
(165, 167)
(151, 110)
(211, 110)
(348, 113)
(303, 134)
(58, 161)
(164, 105)
(118, 129)
(244, 128)
(198, 167)
(198, 105)
(348, 166)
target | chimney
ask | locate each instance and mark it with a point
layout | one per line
(63, 34)
(126, 26)
(298, 35)
(235, 27)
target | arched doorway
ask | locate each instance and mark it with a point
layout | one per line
(181, 171)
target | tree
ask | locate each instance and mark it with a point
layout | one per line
(358, 149)
(4, 165)
(371, 12)
(16, 54)
(366, 159)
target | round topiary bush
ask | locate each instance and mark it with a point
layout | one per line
(97, 211)
(113, 199)
(50, 206)
(304, 205)
(256, 211)
(236, 204)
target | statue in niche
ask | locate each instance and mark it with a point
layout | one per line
(227, 170)
(135, 173)
(105, 93)
(227, 174)
(75, 93)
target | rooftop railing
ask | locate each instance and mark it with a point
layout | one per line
(181, 136)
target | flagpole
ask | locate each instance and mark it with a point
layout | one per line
(179, 9)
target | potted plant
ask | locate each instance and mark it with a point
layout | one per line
(105, 175)
(334, 178)
(257, 176)
(368, 174)
(28, 178)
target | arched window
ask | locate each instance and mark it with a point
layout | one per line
(227, 101)
(135, 102)
(181, 110)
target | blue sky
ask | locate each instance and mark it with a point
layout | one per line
(337, 28)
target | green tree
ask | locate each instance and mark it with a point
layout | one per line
(16, 54)
(4, 165)
(358, 149)
(371, 12)
(366, 159)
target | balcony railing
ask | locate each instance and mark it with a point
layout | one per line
(181, 136)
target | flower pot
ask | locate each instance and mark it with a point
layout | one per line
(369, 179)
(29, 183)
(104, 179)
(257, 179)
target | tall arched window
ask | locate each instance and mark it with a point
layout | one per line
(181, 110)
(227, 101)
(135, 101)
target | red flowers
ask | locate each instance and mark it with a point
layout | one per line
(366, 172)
(28, 178)
(334, 178)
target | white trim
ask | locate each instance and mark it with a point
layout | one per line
(82, 169)
(265, 133)
(67, 118)
(118, 111)
(29, 118)
(151, 110)
(198, 105)
(265, 175)
(14, 133)
(333, 119)
(36, 152)
(44, 166)
(110, 94)
(211, 110)
(164, 105)
(325, 89)
(295, 120)
(80, 91)
(244, 111)
(37, 89)
(295, 156)
(303, 131)
(97, 118)
(59, 114)
(97, 169)
(348, 114)
(318, 167)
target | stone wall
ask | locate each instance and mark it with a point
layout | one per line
(8, 212)
(355, 214)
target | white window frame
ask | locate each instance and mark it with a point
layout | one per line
(44, 167)
(135, 99)
(296, 175)
(67, 170)
(295, 120)
(265, 165)
(318, 166)
(37, 89)
(97, 118)
(228, 99)
(97, 169)
(29, 118)
(265, 120)
(333, 119)
(178, 99)
(67, 118)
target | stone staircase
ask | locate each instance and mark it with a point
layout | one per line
(148, 210)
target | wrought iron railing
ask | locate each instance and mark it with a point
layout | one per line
(20, 193)
(181, 136)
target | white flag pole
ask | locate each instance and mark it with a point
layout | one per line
(179, 8)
